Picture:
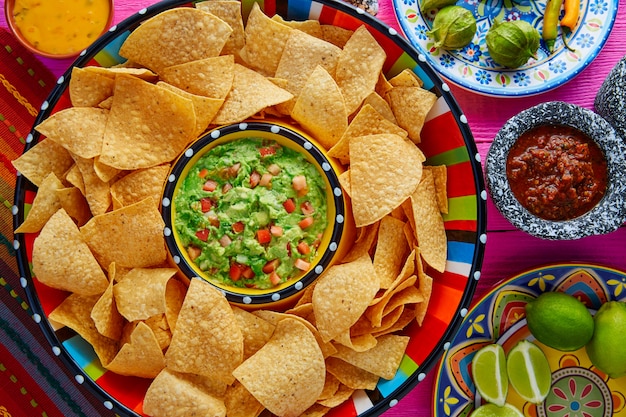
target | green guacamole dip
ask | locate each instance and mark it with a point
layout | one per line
(251, 213)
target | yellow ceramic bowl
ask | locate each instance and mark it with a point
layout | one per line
(58, 28)
(336, 238)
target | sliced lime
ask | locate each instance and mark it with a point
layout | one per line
(490, 374)
(492, 410)
(529, 371)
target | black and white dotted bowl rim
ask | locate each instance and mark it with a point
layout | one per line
(201, 146)
(608, 215)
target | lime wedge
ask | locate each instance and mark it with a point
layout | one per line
(492, 410)
(529, 371)
(490, 374)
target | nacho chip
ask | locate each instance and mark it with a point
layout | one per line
(429, 227)
(381, 106)
(342, 395)
(391, 250)
(104, 172)
(141, 184)
(287, 374)
(229, 12)
(391, 162)
(88, 88)
(141, 294)
(209, 77)
(364, 243)
(440, 175)
(360, 62)
(382, 360)
(256, 331)
(113, 72)
(207, 327)
(240, 403)
(131, 236)
(174, 296)
(141, 357)
(176, 36)
(43, 158)
(75, 313)
(173, 396)
(148, 125)
(265, 40)
(350, 375)
(310, 27)
(205, 108)
(410, 105)
(320, 108)
(406, 78)
(75, 178)
(73, 202)
(342, 294)
(105, 315)
(366, 122)
(250, 94)
(336, 35)
(96, 191)
(62, 259)
(45, 204)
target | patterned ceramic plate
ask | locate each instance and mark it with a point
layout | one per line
(472, 67)
(578, 388)
(446, 139)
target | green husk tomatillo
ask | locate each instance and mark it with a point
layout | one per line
(512, 43)
(453, 27)
(428, 5)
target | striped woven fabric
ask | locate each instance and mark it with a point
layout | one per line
(33, 381)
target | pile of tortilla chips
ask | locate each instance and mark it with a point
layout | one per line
(100, 172)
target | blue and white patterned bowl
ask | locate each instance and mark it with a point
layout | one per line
(605, 217)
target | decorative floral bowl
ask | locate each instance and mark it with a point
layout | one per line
(606, 216)
(336, 239)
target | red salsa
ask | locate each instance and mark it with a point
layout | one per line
(556, 172)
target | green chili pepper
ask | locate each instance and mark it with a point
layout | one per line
(551, 23)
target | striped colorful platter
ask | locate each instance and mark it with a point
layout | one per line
(446, 139)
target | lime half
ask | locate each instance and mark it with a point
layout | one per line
(490, 374)
(529, 371)
(492, 410)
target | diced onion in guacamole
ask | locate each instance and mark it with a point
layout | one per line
(251, 213)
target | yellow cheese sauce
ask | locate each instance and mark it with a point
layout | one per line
(61, 27)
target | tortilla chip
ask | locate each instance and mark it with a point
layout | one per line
(141, 184)
(256, 331)
(173, 396)
(104, 172)
(141, 357)
(113, 72)
(320, 108)
(141, 294)
(342, 395)
(75, 313)
(382, 360)
(381, 106)
(310, 27)
(360, 62)
(62, 259)
(43, 158)
(265, 40)
(131, 236)
(440, 175)
(391, 250)
(342, 295)
(207, 327)
(375, 159)
(350, 375)
(287, 374)
(148, 125)
(205, 108)
(406, 78)
(105, 315)
(250, 94)
(88, 88)
(174, 37)
(96, 191)
(336, 35)
(410, 105)
(229, 12)
(74, 203)
(240, 403)
(429, 227)
(209, 77)
(174, 296)
(367, 237)
(366, 122)
(45, 204)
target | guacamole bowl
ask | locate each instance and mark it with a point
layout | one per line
(128, 231)
(256, 209)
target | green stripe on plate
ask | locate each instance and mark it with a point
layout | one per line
(461, 208)
(451, 157)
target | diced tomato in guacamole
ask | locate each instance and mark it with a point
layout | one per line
(244, 206)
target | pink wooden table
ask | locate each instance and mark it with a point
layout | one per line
(508, 251)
